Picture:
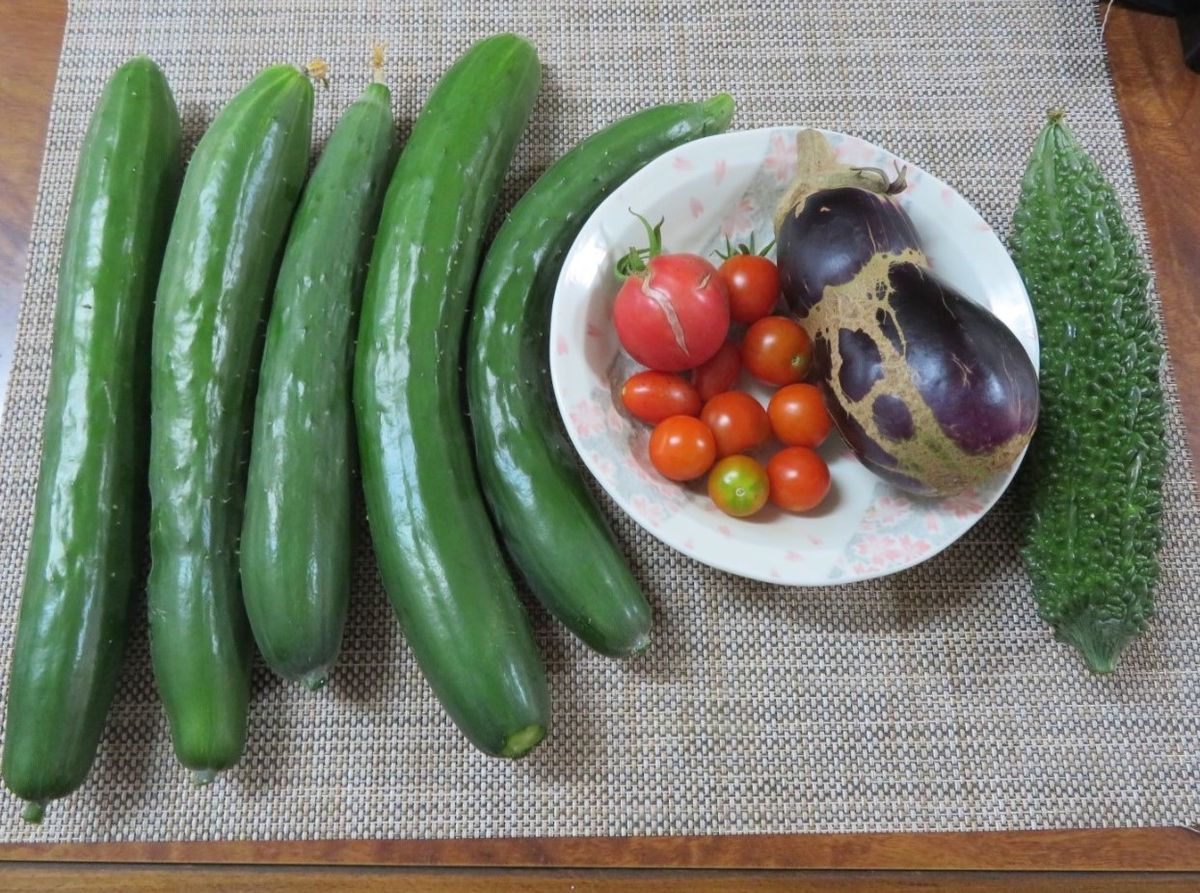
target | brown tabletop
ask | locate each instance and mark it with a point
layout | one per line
(1160, 104)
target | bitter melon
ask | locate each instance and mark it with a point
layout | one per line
(1095, 469)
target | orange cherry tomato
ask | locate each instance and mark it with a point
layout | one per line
(753, 284)
(719, 374)
(682, 448)
(777, 350)
(738, 422)
(798, 416)
(653, 396)
(738, 486)
(799, 479)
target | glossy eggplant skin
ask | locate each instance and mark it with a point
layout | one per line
(930, 390)
(833, 235)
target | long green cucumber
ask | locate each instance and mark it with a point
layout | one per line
(547, 517)
(89, 517)
(441, 565)
(238, 195)
(295, 547)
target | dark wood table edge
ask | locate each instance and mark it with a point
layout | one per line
(1160, 849)
(1149, 849)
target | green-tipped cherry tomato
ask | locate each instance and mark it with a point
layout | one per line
(738, 486)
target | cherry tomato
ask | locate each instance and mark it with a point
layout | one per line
(718, 374)
(799, 479)
(654, 396)
(798, 415)
(753, 284)
(738, 422)
(738, 485)
(673, 315)
(777, 350)
(682, 448)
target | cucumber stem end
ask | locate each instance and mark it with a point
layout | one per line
(202, 777)
(315, 680)
(522, 741)
(34, 811)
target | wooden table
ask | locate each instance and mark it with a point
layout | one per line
(1160, 103)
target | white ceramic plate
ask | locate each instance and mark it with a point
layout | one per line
(729, 185)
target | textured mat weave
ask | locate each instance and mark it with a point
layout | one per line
(932, 700)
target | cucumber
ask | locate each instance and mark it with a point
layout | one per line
(238, 195)
(549, 521)
(441, 565)
(1095, 467)
(89, 517)
(295, 546)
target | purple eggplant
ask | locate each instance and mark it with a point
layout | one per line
(931, 391)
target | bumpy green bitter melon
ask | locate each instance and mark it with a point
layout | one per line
(1095, 468)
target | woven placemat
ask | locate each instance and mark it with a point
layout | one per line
(931, 700)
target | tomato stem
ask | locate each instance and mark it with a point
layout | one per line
(634, 260)
(743, 248)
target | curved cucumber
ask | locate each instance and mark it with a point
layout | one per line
(237, 197)
(295, 547)
(441, 565)
(549, 521)
(89, 518)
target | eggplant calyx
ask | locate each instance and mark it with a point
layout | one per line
(818, 169)
(884, 184)
(635, 259)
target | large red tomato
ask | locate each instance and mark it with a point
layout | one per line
(674, 314)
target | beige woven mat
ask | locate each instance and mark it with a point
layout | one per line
(932, 700)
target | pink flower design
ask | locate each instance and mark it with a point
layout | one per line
(604, 466)
(966, 504)
(616, 422)
(856, 152)
(932, 524)
(682, 164)
(696, 206)
(740, 221)
(651, 510)
(724, 530)
(561, 347)
(587, 417)
(593, 330)
(719, 171)
(781, 158)
(886, 511)
(880, 551)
